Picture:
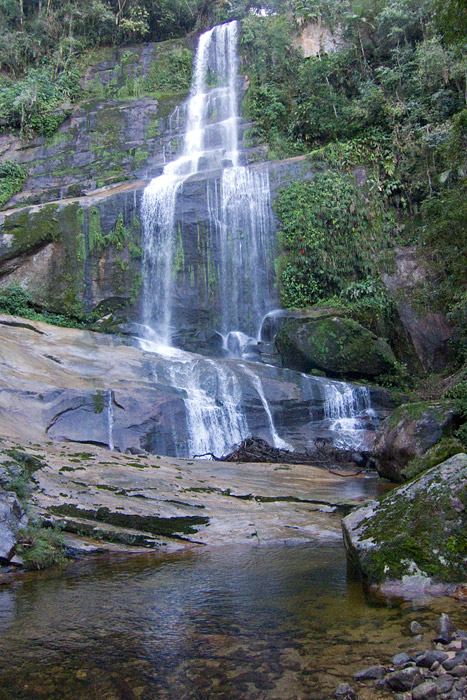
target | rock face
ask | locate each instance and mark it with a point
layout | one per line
(79, 386)
(417, 533)
(12, 517)
(408, 433)
(120, 130)
(337, 346)
(430, 332)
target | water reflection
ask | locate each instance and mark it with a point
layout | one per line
(266, 622)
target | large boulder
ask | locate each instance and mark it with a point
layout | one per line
(408, 433)
(417, 534)
(340, 347)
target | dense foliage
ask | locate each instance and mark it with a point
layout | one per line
(393, 100)
(329, 239)
(42, 42)
(12, 177)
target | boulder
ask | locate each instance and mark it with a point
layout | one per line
(12, 516)
(416, 534)
(408, 433)
(338, 346)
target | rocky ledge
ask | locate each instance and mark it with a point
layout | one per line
(106, 501)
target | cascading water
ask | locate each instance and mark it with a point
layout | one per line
(241, 231)
(238, 200)
(344, 407)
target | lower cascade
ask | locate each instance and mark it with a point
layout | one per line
(230, 398)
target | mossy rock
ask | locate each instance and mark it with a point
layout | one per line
(417, 534)
(408, 433)
(340, 347)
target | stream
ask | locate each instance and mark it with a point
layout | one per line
(237, 623)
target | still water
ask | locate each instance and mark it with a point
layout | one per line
(217, 623)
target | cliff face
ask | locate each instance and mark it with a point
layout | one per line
(72, 236)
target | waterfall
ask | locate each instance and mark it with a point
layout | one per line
(344, 407)
(238, 199)
(240, 233)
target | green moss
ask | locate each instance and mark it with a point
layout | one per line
(40, 546)
(152, 130)
(95, 233)
(140, 158)
(151, 524)
(445, 448)
(420, 527)
(416, 410)
(98, 401)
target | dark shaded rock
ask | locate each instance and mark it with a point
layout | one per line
(337, 346)
(428, 658)
(405, 679)
(12, 516)
(460, 671)
(428, 689)
(345, 692)
(457, 660)
(410, 432)
(372, 673)
(429, 332)
(413, 534)
(444, 683)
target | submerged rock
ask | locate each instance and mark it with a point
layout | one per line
(417, 533)
(337, 346)
(409, 433)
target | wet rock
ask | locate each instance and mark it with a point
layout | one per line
(345, 692)
(102, 377)
(408, 433)
(405, 679)
(425, 690)
(337, 346)
(372, 673)
(12, 517)
(403, 537)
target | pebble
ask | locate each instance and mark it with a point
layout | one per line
(345, 692)
(415, 627)
(439, 673)
(372, 673)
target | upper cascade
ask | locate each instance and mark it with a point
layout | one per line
(239, 216)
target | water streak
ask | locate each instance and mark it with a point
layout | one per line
(110, 420)
(256, 382)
